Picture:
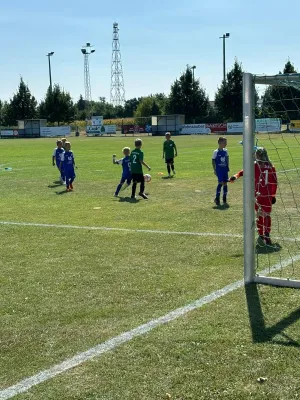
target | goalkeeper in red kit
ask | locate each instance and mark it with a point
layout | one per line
(265, 192)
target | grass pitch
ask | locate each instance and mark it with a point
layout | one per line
(65, 290)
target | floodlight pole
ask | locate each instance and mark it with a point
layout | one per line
(193, 68)
(49, 62)
(224, 37)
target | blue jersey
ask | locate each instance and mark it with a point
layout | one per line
(67, 159)
(125, 162)
(221, 159)
(57, 154)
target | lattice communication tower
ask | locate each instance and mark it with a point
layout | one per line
(117, 91)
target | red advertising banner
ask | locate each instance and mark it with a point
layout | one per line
(134, 129)
(217, 128)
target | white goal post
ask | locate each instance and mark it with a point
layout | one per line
(251, 269)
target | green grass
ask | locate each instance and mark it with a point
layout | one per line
(66, 290)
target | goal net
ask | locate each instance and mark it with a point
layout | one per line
(272, 230)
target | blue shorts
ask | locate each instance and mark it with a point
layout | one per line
(70, 173)
(222, 175)
(126, 178)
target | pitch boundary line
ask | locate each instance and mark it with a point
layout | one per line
(151, 231)
(113, 343)
(104, 228)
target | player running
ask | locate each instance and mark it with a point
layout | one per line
(68, 164)
(265, 178)
(220, 163)
(126, 174)
(169, 152)
(56, 159)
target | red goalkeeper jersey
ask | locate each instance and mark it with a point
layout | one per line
(265, 179)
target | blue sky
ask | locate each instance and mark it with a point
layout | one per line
(158, 39)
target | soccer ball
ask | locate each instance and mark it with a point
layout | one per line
(147, 178)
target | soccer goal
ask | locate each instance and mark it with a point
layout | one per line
(271, 122)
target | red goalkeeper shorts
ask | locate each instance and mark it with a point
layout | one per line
(263, 203)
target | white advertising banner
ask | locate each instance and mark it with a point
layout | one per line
(93, 130)
(55, 131)
(235, 127)
(97, 121)
(268, 125)
(194, 129)
(9, 132)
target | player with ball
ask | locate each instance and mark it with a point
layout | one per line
(136, 166)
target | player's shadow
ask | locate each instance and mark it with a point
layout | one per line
(55, 185)
(62, 192)
(221, 207)
(128, 200)
(268, 249)
(167, 177)
(260, 332)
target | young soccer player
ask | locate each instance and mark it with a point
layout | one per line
(56, 159)
(265, 179)
(68, 164)
(169, 152)
(126, 174)
(136, 167)
(220, 163)
(64, 143)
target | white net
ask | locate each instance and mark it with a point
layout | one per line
(278, 131)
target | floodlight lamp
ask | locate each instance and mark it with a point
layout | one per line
(93, 51)
(227, 35)
(83, 51)
(194, 66)
(88, 44)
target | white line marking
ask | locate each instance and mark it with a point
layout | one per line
(288, 170)
(153, 231)
(104, 228)
(125, 337)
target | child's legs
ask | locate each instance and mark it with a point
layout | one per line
(142, 181)
(218, 190)
(225, 189)
(134, 179)
(259, 220)
(120, 186)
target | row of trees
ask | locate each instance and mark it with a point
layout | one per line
(187, 97)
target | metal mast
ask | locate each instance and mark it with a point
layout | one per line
(117, 91)
(86, 51)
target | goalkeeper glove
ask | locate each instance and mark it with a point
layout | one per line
(232, 179)
(273, 200)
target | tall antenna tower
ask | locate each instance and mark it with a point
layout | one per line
(117, 91)
(86, 51)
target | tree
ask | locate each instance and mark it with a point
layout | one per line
(22, 106)
(57, 106)
(147, 107)
(282, 102)
(130, 107)
(188, 97)
(81, 106)
(229, 97)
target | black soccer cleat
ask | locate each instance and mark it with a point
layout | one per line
(224, 200)
(143, 196)
(217, 201)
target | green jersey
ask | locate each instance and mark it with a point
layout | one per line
(169, 149)
(136, 157)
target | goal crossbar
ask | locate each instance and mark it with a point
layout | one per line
(278, 80)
